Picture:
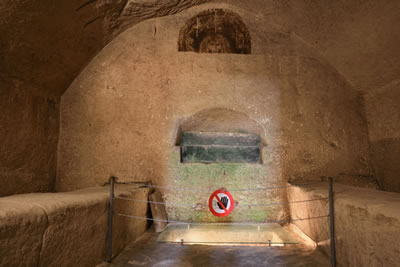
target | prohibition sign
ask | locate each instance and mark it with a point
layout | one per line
(221, 203)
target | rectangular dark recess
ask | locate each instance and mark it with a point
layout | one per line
(206, 147)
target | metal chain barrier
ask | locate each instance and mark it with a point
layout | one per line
(181, 188)
(233, 223)
(242, 205)
(113, 181)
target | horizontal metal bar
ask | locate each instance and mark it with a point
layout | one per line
(190, 188)
(151, 219)
(193, 223)
(154, 202)
(213, 242)
(212, 145)
(242, 205)
(283, 203)
(310, 218)
(231, 223)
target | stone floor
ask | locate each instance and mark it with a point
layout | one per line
(229, 234)
(146, 251)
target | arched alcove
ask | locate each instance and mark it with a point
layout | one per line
(220, 135)
(215, 31)
(220, 120)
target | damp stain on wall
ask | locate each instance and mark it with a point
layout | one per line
(193, 183)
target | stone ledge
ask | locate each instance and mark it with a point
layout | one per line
(66, 229)
(367, 223)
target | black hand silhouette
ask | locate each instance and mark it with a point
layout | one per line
(224, 201)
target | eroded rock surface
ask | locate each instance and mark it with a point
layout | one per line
(21, 233)
(367, 222)
(66, 229)
(45, 45)
(136, 94)
(383, 115)
(29, 135)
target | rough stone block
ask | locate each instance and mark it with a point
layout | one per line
(158, 212)
(21, 232)
(66, 229)
(367, 223)
(125, 229)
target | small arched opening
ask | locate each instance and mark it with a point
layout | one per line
(215, 31)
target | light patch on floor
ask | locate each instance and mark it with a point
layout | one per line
(229, 234)
(146, 251)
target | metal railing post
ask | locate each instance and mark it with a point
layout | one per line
(110, 221)
(332, 223)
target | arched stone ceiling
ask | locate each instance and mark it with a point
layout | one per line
(44, 44)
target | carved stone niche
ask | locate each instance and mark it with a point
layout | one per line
(215, 31)
(214, 147)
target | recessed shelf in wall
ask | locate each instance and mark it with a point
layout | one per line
(217, 147)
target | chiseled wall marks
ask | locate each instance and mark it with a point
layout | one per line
(122, 114)
(29, 135)
(383, 115)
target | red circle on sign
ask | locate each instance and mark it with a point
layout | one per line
(215, 195)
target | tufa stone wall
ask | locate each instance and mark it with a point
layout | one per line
(123, 113)
(48, 44)
(29, 135)
(383, 115)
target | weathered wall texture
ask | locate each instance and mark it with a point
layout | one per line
(66, 229)
(366, 223)
(122, 114)
(43, 46)
(383, 114)
(29, 126)
(48, 43)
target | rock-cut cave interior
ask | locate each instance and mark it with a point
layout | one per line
(200, 133)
